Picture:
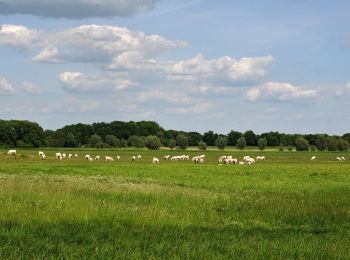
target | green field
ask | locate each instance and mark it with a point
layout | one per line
(284, 207)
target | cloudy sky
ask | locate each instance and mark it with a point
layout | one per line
(280, 65)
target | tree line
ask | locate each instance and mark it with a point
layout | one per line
(26, 134)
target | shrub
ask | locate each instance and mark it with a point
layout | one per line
(123, 143)
(182, 141)
(112, 141)
(94, 140)
(172, 143)
(202, 146)
(221, 142)
(241, 144)
(301, 144)
(136, 141)
(262, 143)
(343, 145)
(313, 148)
(290, 148)
(280, 148)
(152, 142)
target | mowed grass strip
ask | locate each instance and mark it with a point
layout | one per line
(279, 208)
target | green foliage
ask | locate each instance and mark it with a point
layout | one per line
(290, 148)
(281, 148)
(172, 143)
(152, 142)
(209, 138)
(202, 146)
(343, 145)
(321, 142)
(221, 142)
(301, 144)
(250, 137)
(332, 143)
(136, 141)
(241, 144)
(112, 141)
(94, 140)
(194, 138)
(182, 141)
(262, 143)
(123, 143)
(313, 148)
(70, 140)
(232, 137)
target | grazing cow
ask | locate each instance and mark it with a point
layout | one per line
(241, 163)
(90, 159)
(155, 160)
(41, 153)
(64, 155)
(70, 155)
(42, 156)
(118, 157)
(133, 158)
(109, 159)
(313, 158)
(139, 157)
(339, 159)
(59, 156)
(87, 157)
(166, 157)
(12, 152)
(343, 158)
(97, 157)
(76, 155)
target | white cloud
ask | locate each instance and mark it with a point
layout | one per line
(17, 36)
(163, 96)
(76, 9)
(279, 91)
(100, 43)
(77, 82)
(6, 87)
(31, 88)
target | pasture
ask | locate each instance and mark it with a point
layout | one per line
(284, 207)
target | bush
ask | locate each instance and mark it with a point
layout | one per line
(94, 140)
(343, 145)
(241, 144)
(123, 143)
(301, 144)
(101, 145)
(112, 141)
(172, 143)
(182, 141)
(262, 143)
(136, 141)
(332, 143)
(202, 146)
(152, 142)
(221, 142)
(280, 148)
(313, 148)
(290, 148)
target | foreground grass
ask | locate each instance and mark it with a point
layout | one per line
(285, 207)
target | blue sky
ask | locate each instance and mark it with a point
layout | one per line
(192, 65)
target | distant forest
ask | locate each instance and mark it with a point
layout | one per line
(25, 134)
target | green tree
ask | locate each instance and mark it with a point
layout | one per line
(123, 143)
(152, 142)
(221, 142)
(94, 140)
(136, 141)
(250, 138)
(332, 143)
(210, 137)
(202, 146)
(112, 141)
(232, 137)
(70, 140)
(182, 141)
(172, 143)
(301, 144)
(262, 143)
(194, 138)
(241, 144)
(343, 145)
(321, 142)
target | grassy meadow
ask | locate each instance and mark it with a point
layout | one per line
(284, 207)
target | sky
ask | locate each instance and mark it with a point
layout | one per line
(194, 65)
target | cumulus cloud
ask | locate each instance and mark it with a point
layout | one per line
(100, 43)
(279, 91)
(6, 87)
(76, 9)
(18, 36)
(31, 88)
(77, 82)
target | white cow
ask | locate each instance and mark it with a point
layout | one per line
(166, 157)
(109, 159)
(76, 155)
(155, 160)
(87, 157)
(70, 155)
(139, 157)
(64, 155)
(12, 152)
(241, 163)
(343, 158)
(339, 159)
(97, 157)
(41, 153)
(118, 157)
(133, 158)
(313, 158)
(42, 156)
(59, 156)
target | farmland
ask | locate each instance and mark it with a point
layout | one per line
(284, 207)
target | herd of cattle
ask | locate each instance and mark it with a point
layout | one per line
(225, 159)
